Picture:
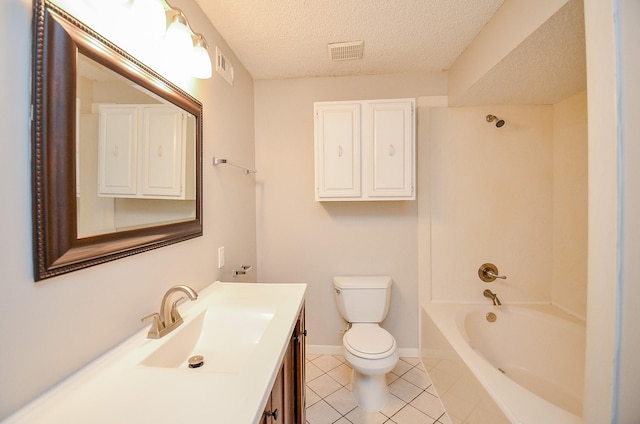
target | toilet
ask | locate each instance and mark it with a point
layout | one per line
(368, 348)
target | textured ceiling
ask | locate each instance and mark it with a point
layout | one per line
(277, 39)
(548, 66)
(288, 38)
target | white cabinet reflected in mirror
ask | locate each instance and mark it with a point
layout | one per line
(135, 155)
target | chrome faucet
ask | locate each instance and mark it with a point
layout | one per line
(169, 318)
(491, 295)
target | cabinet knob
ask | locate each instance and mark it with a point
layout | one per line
(298, 337)
(339, 151)
(273, 414)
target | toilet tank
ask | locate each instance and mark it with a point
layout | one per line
(363, 299)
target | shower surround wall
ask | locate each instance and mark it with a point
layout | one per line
(514, 196)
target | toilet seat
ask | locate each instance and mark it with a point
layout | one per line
(369, 341)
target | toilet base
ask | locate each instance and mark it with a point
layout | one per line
(370, 391)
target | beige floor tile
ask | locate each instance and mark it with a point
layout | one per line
(418, 377)
(361, 416)
(324, 385)
(401, 367)
(340, 358)
(445, 419)
(393, 406)
(429, 363)
(428, 404)
(341, 373)
(342, 401)
(432, 389)
(412, 361)
(312, 372)
(482, 416)
(404, 390)
(326, 362)
(391, 377)
(410, 415)
(322, 413)
(456, 406)
(311, 397)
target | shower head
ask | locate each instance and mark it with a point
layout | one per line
(499, 122)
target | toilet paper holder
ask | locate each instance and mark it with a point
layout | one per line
(243, 270)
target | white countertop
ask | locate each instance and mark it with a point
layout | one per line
(115, 388)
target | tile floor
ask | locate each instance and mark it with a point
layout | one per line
(329, 401)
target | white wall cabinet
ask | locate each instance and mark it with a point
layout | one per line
(142, 152)
(365, 150)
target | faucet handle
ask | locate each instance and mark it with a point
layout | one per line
(175, 314)
(156, 325)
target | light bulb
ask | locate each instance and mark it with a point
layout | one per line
(149, 17)
(178, 37)
(201, 59)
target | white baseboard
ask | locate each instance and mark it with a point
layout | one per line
(337, 350)
(324, 350)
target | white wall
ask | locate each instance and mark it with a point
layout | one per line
(54, 327)
(491, 201)
(514, 196)
(303, 240)
(570, 173)
(627, 408)
(613, 341)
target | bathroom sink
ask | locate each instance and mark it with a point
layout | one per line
(224, 337)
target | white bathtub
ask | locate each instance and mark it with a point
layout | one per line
(530, 362)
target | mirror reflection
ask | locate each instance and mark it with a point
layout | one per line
(135, 155)
(117, 151)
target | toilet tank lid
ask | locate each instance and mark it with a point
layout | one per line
(356, 282)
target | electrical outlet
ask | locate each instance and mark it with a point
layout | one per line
(220, 257)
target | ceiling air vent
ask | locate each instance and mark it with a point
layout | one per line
(224, 67)
(347, 50)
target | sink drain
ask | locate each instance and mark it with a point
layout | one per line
(196, 361)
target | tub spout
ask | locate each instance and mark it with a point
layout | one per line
(491, 295)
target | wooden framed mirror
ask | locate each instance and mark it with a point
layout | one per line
(116, 151)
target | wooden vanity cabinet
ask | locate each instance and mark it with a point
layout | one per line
(286, 404)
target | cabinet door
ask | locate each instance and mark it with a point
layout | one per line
(299, 343)
(286, 403)
(162, 151)
(337, 145)
(266, 415)
(389, 135)
(276, 412)
(117, 150)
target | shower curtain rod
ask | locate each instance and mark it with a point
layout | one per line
(218, 161)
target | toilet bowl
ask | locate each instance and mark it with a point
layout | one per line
(372, 352)
(369, 349)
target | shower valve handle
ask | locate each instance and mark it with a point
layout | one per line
(489, 272)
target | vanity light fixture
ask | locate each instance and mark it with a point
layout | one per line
(184, 45)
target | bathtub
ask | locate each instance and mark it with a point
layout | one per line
(525, 367)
